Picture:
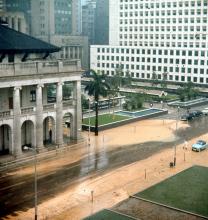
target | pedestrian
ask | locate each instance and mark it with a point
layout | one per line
(185, 145)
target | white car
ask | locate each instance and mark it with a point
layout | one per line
(205, 111)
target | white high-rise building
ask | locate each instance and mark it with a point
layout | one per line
(160, 36)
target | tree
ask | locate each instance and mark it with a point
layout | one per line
(188, 91)
(154, 79)
(97, 87)
(118, 80)
(163, 83)
(134, 102)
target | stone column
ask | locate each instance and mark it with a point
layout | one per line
(77, 119)
(16, 24)
(16, 121)
(59, 114)
(39, 117)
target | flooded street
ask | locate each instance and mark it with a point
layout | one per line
(112, 150)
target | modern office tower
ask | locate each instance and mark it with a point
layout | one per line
(56, 21)
(20, 6)
(102, 22)
(88, 20)
(28, 77)
(56, 17)
(76, 17)
(163, 36)
(50, 17)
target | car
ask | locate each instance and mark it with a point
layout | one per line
(186, 117)
(205, 111)
(199, 146)
(197, 113)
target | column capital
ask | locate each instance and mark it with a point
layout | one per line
(41, 85)
(60, 83)
(17, 88)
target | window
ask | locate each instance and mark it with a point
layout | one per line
(32, 95)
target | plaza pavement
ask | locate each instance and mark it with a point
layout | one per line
(104, 191)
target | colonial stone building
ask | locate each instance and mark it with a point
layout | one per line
(28, 114)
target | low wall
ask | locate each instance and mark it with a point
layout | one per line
(124, 122)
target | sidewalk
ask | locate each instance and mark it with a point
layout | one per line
(108, 189)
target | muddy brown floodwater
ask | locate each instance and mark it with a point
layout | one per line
(112, 167)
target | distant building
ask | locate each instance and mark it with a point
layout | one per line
(57, 17)
(88, 20)
(58, 22)
(23, 6)
(72, 47)
(27, 116)
(163, 37)
(76, 17)
(102, 22)
(2, 5)
(15, 20)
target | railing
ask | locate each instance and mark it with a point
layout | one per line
(48, 107)
(5, 114)
(68, 103)
(27, 110)
(45, 67)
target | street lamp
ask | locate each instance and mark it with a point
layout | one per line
(35, 178)
(89, 127)
(174, 161)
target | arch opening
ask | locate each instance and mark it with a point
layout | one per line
(27, 134)
(67, 127)
(48, 131)
(5, 139)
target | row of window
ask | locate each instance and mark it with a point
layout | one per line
(194, 12)
(152, 52)
(155, 60)
(161, 36)
(170, 69)
(191, 20)
(162, 4)
(160, 76)
(165, 28)
(162, 44)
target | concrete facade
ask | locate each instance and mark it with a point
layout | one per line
(15, 20)
(88, 20)
(27, 116)
(72, 47)
(55, 17)
(163, 36)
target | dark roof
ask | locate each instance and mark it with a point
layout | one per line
(12, 41)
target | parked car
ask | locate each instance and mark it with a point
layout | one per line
(197, 113)
(205, 111)
(199, 146)
(186, 117)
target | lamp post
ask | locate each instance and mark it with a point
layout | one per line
(35, 179)
(89, 127)
(174, 161)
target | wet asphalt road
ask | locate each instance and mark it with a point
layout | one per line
(17, 192)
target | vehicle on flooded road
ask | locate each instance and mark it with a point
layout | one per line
(205, 111)
(186, 117)
(199, 146)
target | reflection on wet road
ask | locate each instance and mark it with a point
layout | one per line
(17, 191)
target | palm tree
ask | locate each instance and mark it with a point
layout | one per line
(97, 87)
